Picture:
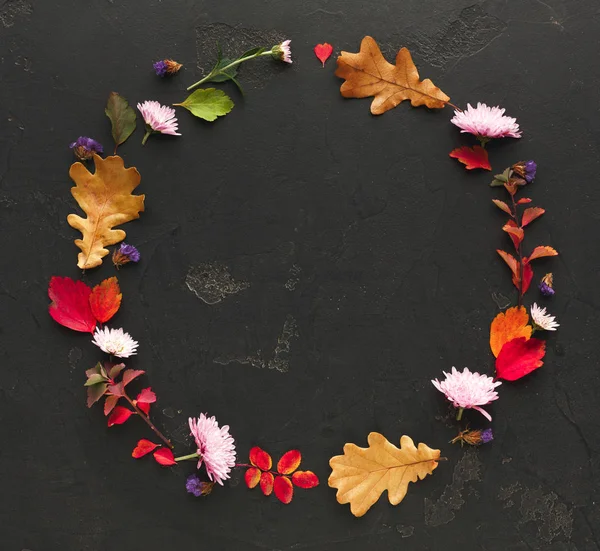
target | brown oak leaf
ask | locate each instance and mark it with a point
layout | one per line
(106, 198)
(361, 475)
(367, 73)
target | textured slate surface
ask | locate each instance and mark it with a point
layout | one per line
(348, 261)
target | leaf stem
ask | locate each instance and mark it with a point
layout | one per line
(147, 421)
(223, 70)
(454, 106)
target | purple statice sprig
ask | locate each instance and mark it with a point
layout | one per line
(473, 437)
(124, 254)
(166, 67)
(547, 285)
(198, 487)
(85, 148)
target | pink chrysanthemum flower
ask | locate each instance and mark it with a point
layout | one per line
(468, 390)
(486, 122)
(158, 118)
(282, 51)
(115, 342)
(216, 447)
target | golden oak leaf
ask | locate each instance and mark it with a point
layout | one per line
(507, 326)
(106, 198)
(367, 73)
(361, 475)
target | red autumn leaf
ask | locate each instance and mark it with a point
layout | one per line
(252, 477)
(502, 206)
(105, 299)
(144, 406)
(305, 479)
(511, 261)
(110, 403)
(115, 370)
(147, 396)
(165, 457)
(540, 252)
(523, 200)
(515, 268)
(144, 447)
(475, 157)
(117, 389)
(289, 462)
(516, 234)
(519, 357)
(119, 415)
(323, 52)
(131, 374)
(527, 277)
(284, 489)
(261, 459)
(266, 483)
(530, 214)
(71, 304)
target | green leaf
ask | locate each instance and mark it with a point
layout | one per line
(95, 392)
(122, 117)
(225, 75)
(496, 183)
(94, 380)
(96, 370)
(208, 104)
(252, 51)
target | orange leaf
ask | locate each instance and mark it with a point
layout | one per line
(266, 483)
(519, 357)
(305, 479)
(289, 462)
(260, 458)
(502, 206)
(511, 261)
(367, 73)
(530, 214)
(508, 326)
(105, 299)
(284, 489)
(540, 252)
(516, 234)
(252, 477)
(523, 200)
(106, 198)
(472, 157)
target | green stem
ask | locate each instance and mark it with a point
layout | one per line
(459, 414)
(187, 457)
(223, 70)
(146, 136)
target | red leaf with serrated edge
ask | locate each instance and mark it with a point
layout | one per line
(119, 415)
(502, 206)
(71, 304)
(144, 447)
(523, 200)
(323, 52)
(540, 252)
(511, 261)
(527, 277)
(110, 403)
(131, 374)
(266, 483)
(475, 157)
(289, 462)
(117, 389)
(165, 457)
(305, 479)
(519, 357)
(530, 214)
(252, 477)
(516, 234)
(283, 489)
(146, 395)
(261, 459)
(105, 299)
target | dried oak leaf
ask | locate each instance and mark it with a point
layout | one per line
(361, 475)
(106, 198)
(508, 326)
(367, 73)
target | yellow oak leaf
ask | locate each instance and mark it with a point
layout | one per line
(507, 326)
(361, 475)
(106, 198)
(367, 73)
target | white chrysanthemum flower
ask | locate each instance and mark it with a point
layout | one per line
(543, 320)
(115, 342)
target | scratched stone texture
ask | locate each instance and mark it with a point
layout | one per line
(306, 269)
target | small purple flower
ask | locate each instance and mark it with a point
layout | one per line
(197, 487)
(487, 436)
(546, 287)
(530, 170)
(124, 254)
(160, 67)
(84, 148)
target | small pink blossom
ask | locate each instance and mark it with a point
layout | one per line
(486, 122)
(468, 390)
(158, 118)
(216, 447)
(283, 52)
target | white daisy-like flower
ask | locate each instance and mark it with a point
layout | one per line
(115, 342)
(486, 122)
(282, 51)
(543, 320)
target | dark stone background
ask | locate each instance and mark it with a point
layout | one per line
(352, 239)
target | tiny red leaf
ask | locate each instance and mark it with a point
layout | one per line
(165, 457)
(266, 483)
(519, 357)
(530, 214)
(323, 52)
(502, 206)
(527, 277)
(289, 462)
(105, 299)
(252, 477)
(475, 157)
(110, 403)
(523, 200)
(261, 459)
(284, 489)
(147, 396)
(71, 304)
(144, 447)
(144, 406)
(516, 234)
(540, 252)
(129, 375)
(119, 415)
(305, 479)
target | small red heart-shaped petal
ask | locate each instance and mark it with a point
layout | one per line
(323, 51)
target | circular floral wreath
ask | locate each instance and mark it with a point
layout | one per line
(106, 197)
